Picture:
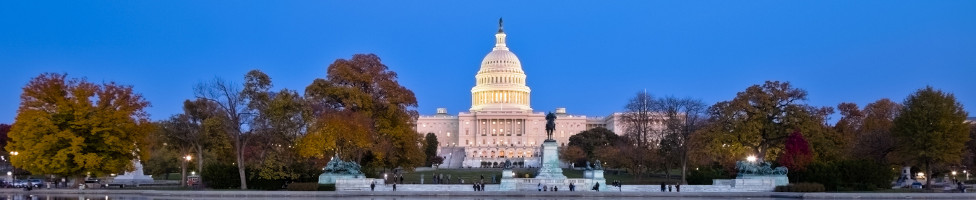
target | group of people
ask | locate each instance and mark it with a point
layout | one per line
(677, 187)
(479, 186)
(544, 188)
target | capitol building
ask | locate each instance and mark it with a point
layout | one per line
(501, 124)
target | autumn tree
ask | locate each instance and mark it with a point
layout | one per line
(759, 119)
(869, 129)
(796, 154)
(71, 127)
(4, 129)
(430, 148)
(573, 154)
(362, 95)
(931, 129)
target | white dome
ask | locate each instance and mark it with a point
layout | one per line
(500, 83)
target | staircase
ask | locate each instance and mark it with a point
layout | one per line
(453, 156)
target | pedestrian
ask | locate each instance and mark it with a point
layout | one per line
(662, 186)
(372, 186)
(394, 186)
(572, 187)
(677, 187)
(555, 188)
(545, 188)
(540, 187)
(962, 187)
(596, 187)
(669, 188)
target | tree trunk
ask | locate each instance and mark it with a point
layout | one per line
(200, 161)
(928, 176)
(684, 170)
(240, 167)
(183, 173)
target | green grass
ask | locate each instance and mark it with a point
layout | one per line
(469, 175)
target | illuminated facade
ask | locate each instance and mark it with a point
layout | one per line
(500, 125)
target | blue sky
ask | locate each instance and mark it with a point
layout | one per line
(589, 57)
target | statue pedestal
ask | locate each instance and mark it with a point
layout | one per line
(508, 182)
(550, 162)
(597, 176)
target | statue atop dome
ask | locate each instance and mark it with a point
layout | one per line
(500, 25)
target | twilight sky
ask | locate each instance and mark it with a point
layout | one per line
(589, 57)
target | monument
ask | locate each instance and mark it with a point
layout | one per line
(508, 182)
(134, 177)
(338, 169)
(761, 170)
(550, 153)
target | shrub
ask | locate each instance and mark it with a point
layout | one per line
(801, 187)
(221, 176)
(308, 186)
(327, 187)
(850, 175)
(704, 175)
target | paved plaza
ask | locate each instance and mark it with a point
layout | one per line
(218, 194)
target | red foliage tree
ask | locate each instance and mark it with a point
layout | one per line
(797, 154)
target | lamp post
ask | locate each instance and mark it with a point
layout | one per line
(751, 159)
(186, 160)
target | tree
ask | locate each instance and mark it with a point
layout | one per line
(71, 127)
(589, 140)
(796, 154)
(931, 129)
(430, 148)
(759, 119)
(4, 129)
(873, 140)
(235, 110)
(181, 134)
(683, 117)
(280, 121)
(573, 154)
(384, 111)
(641, 131)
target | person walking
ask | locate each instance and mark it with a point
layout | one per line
(677, 187)
(540, 187)
(372, 186)
(662, 186)
(394, 186)
(669, 188)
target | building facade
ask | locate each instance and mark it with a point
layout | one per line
(501, 124)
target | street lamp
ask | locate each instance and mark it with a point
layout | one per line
(751, 158)
(14, 153)
(188, 158)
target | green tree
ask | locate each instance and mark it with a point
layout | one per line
(71, 127)
(430, 148)
(589, 140)
(180, 134)
(931, 129)
(382, 109)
